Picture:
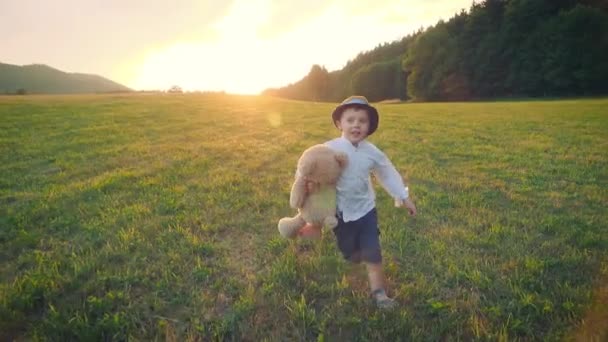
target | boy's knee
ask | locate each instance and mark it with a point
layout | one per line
(371, 255)
(355, 258)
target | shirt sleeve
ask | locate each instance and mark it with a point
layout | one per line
(388, 177)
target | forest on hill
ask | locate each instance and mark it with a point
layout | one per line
(496, 49)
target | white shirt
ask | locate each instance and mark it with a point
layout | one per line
(355, 193)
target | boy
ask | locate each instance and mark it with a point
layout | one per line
(357, 232)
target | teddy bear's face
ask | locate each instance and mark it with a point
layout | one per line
(321, 164)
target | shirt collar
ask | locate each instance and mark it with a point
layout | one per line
(346, 142)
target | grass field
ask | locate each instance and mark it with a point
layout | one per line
(153, 217)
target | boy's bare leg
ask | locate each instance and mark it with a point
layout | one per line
(376, 276)
(377, 286)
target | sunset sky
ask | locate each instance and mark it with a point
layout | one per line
(239, 46)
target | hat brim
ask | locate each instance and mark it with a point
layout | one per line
(371, 111)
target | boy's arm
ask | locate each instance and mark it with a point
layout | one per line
(392, 182)
(389, 178)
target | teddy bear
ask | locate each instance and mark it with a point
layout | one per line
(313, 192)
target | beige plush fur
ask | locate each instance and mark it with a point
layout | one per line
(314, 191)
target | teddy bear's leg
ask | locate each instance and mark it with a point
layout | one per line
(310, 231)
(330, 222)
(289, 226)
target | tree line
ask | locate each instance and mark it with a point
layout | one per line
(496, 49)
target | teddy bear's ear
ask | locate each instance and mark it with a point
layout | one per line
(342, 159)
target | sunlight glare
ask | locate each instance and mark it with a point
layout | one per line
(239, 61)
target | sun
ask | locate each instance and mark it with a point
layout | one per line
(217, 67)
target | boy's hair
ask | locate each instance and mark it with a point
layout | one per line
(358, 102)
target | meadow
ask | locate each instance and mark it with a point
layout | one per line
(153, 217)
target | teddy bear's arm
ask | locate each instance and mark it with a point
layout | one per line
(298, 193)
(342, 159)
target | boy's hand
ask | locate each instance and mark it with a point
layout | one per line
(406, 203)
(310, 185)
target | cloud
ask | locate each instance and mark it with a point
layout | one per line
(142, 19)
(284, 15)
(287, 15)
(367, 7)
(81, 35)
(424, 13)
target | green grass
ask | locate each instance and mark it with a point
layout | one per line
(153, 217)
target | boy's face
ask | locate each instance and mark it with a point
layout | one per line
(354, 124)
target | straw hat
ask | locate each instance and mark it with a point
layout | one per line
(357, 102)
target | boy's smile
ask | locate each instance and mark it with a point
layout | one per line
(354, 124)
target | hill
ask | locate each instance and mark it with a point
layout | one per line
(42, 79)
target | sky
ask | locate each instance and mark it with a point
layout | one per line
(237, 46)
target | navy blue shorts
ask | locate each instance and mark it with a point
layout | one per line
(359, 240)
